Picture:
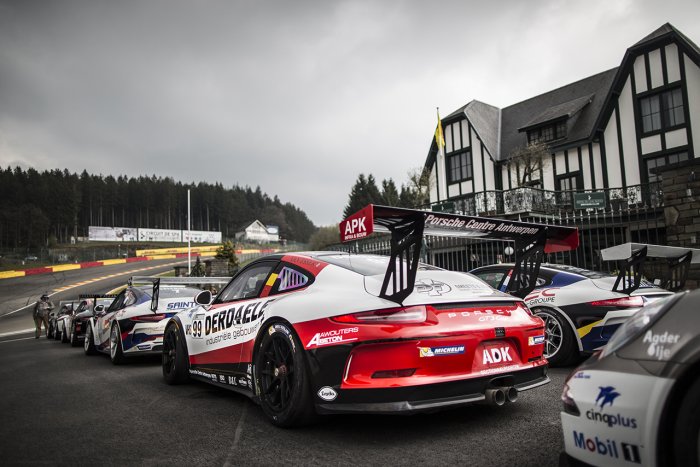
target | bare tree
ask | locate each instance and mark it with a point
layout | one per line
(528, 161)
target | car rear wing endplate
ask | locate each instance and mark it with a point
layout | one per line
(184, 281)
(408, 226)
(633, 255)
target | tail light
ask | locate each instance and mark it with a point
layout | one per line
(403, 315)
(623, 302)
(148, 318)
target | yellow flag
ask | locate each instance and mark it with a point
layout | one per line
(439, 137)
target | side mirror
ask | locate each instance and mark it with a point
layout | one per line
(98, 309)
(204, 298)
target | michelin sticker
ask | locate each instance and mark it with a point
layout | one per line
(440, 351)
(535, 340)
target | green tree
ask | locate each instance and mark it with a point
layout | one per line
(325, 236)
(364, 192)
(390, 195)
(227, 251)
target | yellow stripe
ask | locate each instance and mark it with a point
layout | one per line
(9, 274)
(65, 267)
(108, 262)
(271, 280)
(588, 328)
(163, 251)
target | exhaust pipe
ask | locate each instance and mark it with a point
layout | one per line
(511, 394)
(496, 396)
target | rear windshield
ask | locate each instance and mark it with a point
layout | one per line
(367, 265)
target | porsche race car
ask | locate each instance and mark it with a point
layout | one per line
(134, 322)
(76, 322)
(330, 332)
(637, 402)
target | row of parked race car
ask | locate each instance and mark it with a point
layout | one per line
(328, 332)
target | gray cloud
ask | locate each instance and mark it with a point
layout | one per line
(297, 97)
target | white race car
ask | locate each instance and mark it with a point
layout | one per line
(134, 322)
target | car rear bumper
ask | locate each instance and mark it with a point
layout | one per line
(431, 397)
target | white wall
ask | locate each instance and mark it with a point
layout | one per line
(673, 69)
(655, 68)
(629, 134)
(692, 76)
(612, 153)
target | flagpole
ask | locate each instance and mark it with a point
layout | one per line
(189, 237)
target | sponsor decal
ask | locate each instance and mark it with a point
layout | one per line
(471, 287)
(221, 320)
(180, 305)
(143, 346)
(480, 312)
(231, 380)
(435, 220)
(535, 340)
(188, 330)
(327, 393)
(659, 344)
(334, 336)
(222, 379)
(439, 351)
(607, 396)
(432, 287)
(541, 296)
(496, 355)
(357, 226)
(501, 369)
(235, 334)
(607, 447)
(250, 369)
(582, 375)
(283, 329)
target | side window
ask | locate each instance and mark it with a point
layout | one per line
(129, 298)
(248, 284)
(118, 302)
(290, 279)
(492, 278)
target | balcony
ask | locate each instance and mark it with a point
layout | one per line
(526, 200)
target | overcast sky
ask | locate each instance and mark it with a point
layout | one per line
(298, 97)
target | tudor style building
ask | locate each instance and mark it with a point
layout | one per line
(605, 133)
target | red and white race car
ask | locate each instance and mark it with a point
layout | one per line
(331, 332)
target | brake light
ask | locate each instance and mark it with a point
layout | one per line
(403, 315)
(623, 302)
(148, 318)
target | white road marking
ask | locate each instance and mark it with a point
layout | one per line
(13, 333)
(237, 436)
(15, 340)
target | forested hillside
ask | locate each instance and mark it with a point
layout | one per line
(38, 206)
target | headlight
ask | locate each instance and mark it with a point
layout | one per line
(634, 326)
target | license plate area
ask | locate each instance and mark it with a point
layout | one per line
(496, 354)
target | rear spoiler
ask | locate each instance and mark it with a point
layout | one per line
(157, 281)
(408, 226)
(633, 256)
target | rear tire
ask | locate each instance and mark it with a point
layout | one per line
(89, 344)
(282, 378)
(116, 353)
(560, 347)
(49, 332)
(175, 357)
(56, 333)
(65, 338)
(686, 439)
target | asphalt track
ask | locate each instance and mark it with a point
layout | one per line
(18, 295)
(60, 407)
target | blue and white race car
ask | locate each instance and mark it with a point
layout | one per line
(580, 307)
(135, 321)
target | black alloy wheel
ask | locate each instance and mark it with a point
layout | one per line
(175, 357)
(282, 379)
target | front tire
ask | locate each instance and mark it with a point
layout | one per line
(686, 440)
(116, 353)
(560, 342)
(89, 344)
(175, 356)
(281, 377)
(49, 332)
(73, 337)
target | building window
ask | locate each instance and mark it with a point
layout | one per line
(662, 111)
(459, 167)
(660, 161)
(571, 181)
(547, 133)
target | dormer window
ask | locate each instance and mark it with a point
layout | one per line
(547, 133)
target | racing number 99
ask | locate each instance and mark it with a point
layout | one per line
(197, 328)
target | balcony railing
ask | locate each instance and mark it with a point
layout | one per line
(536, 200)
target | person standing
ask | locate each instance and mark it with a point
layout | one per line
(41, 314)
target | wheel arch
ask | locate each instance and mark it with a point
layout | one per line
(261, 332)
(579, 344)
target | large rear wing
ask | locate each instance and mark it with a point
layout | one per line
(408, 226)
(184, 281)
(633, 256)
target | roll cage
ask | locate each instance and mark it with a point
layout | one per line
(408, 227)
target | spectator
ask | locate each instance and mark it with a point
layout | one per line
(41, 314)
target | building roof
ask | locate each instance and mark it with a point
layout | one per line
(584, 104)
